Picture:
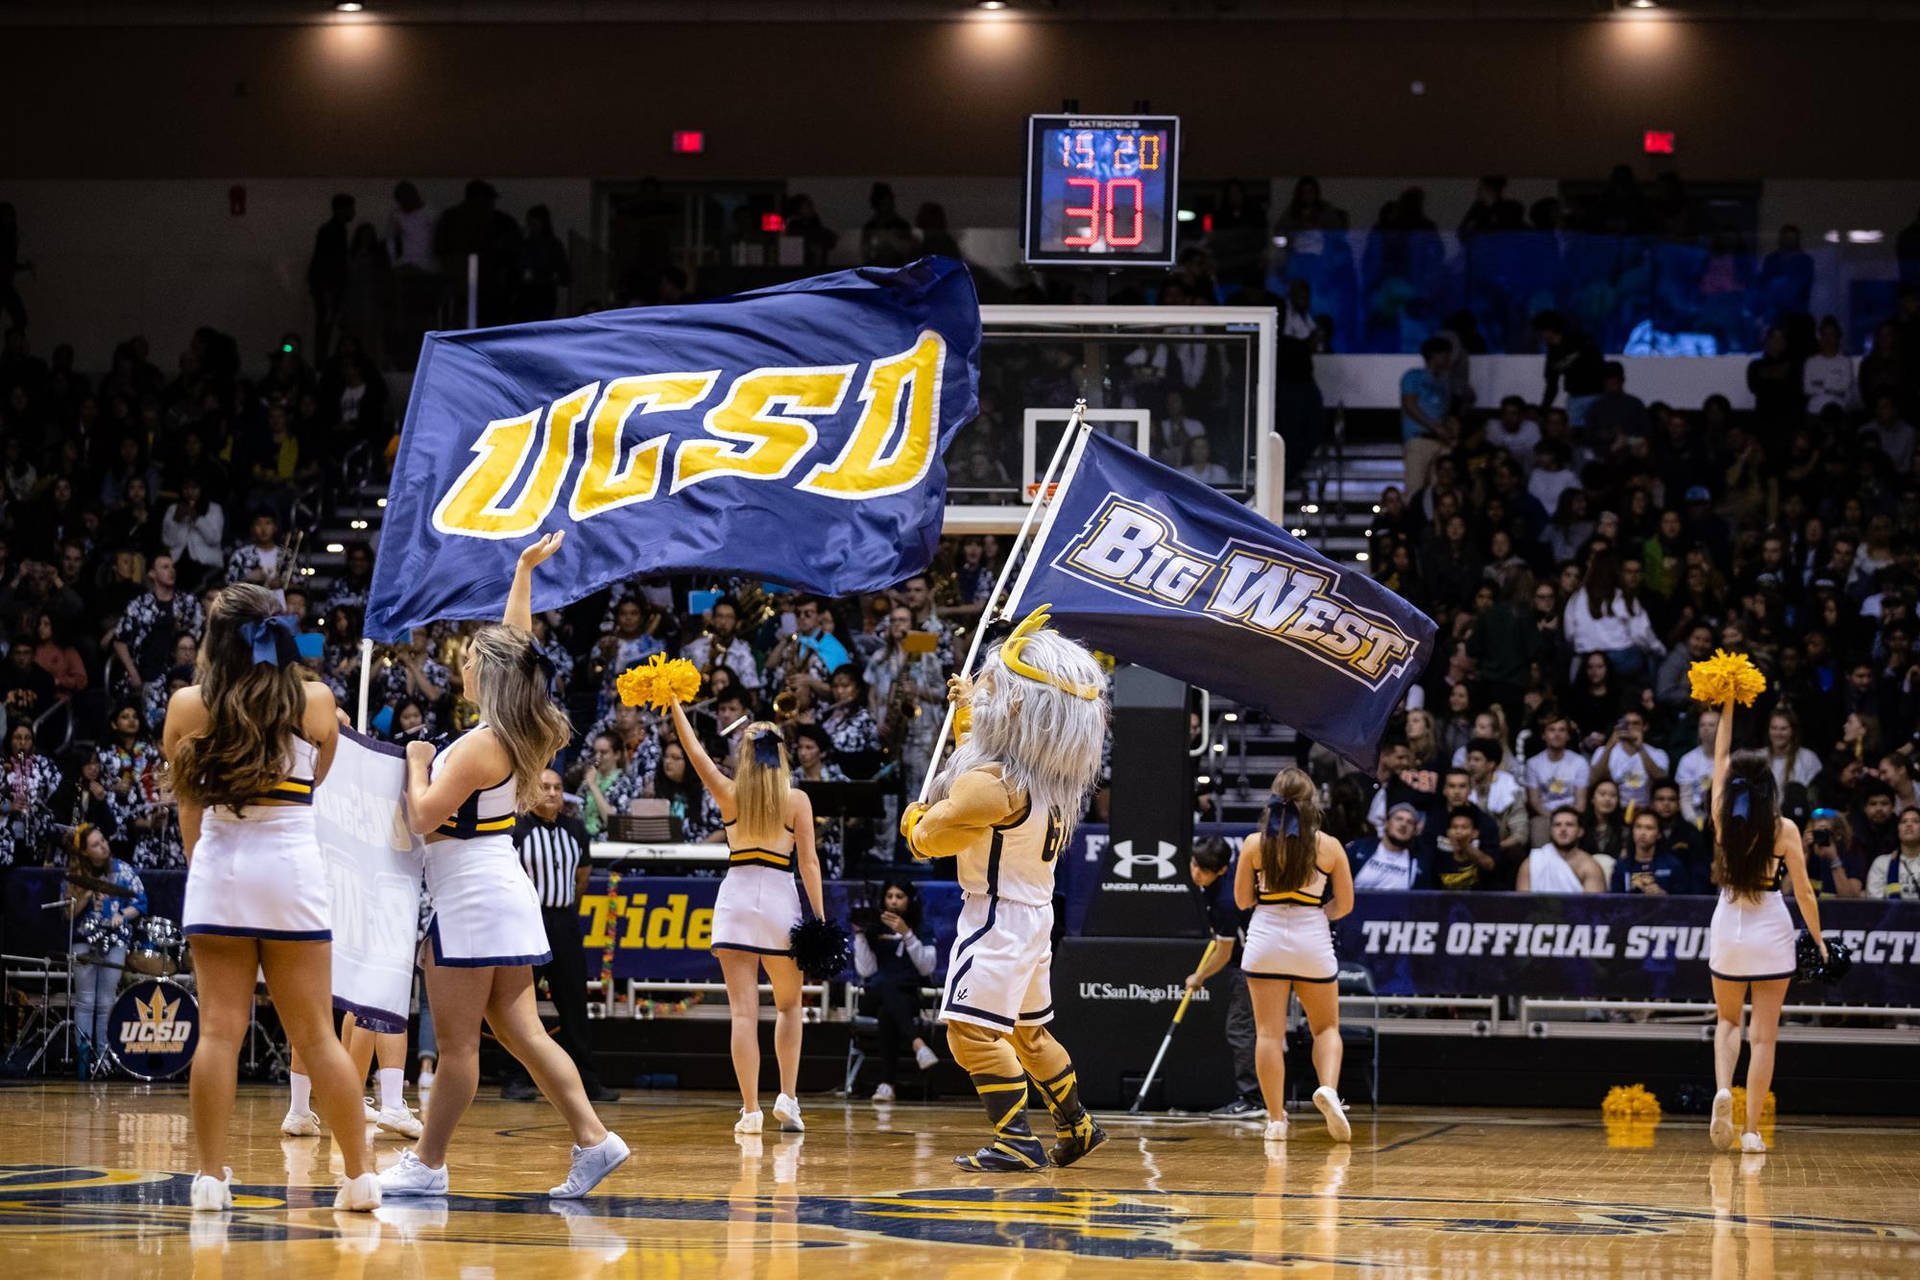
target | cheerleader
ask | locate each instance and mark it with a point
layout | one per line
(487, 934)
(1750, 944)
(247, 746)
(1295, 879)
(769, 828)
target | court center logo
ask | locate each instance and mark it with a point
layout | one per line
(1126, 863)
(1132, 550)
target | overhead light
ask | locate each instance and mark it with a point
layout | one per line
(1360, 557)
(991, 6)
(335, 548)
(348, 6)
(1643, 4)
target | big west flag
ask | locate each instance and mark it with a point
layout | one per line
(793, 433)
(1161, 570)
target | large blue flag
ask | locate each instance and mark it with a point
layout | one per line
(1159, 569)
(793, 433)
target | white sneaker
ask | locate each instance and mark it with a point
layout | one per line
(372, 1112)
(211, 1194)
(786, 1109)
(590, 1166)
(424, 1083)
(925, 1057)
(1720, 1127)
(402, 1122)
(1276, 1131)
(410, 1176)
(301, 1124)
(749, 1122)
(360, 1195)
(883, 1094)
(1328, 1101)
(1752, 1143)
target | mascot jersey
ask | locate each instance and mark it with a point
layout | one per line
(1003, 848)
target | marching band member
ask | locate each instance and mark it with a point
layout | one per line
(1296, 879)
(487, 931)
(1750, 943)
(1004, 806)
(769, 830)
(247, 746)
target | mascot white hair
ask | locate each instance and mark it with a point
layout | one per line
(1038, 710)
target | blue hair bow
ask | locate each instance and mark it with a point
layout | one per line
(1742, 804)
(273, 640)
(766, 748)
(1283, 816)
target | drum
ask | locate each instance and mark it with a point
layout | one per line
(153, 1029)
(156, 947)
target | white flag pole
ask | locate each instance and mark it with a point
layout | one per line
(1072, 438)
(366, 679)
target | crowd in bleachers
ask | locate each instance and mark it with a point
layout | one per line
(1579, 558)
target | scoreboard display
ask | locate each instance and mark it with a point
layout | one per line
(1101, 191)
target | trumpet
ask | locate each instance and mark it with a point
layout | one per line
(903, 704)
(790, 702)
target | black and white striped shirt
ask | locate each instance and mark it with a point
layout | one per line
(551, 853)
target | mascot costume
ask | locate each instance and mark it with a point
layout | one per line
(1031, 727)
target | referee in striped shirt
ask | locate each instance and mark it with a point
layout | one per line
(553, 850)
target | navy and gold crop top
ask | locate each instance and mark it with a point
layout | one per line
(486, 812)
(773, 858)
(297, 786)
(1314, 893)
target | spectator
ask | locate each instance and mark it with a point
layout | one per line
(1827, 378)
(28, 781)
(1615, 417)
(1572, 358)
(886, 240)
(1671, 688)
(1605, 616)
(1515, 431)
(1627, 760)
(1694, 774)
(1388, 861)
(1557, 777)
(103, 927)
(1645, 867)
(1424, 404)
(721, 645)
(606, 785)
(327, 271)
(1605, 823)
(191, 529)
(1896, 873)
(1561, 865)
(1682, 839)
(544, 269)
(1890, 433)
(1493, 791)
(1774, 378)
(1461, 856)
(687, 800)
(894, 963)
(144, 639)
(1789, 761)
(1834, 864)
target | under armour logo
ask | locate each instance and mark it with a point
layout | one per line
(1125, 860)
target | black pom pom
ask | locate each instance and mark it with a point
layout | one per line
(820, 948)
(1808, 964)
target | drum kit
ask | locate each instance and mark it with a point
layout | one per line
(154, 1023)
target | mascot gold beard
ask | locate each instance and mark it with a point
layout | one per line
(1032, 725)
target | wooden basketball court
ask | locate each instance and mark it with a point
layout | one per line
(93, 1181)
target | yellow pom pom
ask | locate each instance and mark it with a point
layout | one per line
(658, 682)
(1726, 676)
(1630, 1102)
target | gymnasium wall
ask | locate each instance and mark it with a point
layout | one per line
(1335, 97)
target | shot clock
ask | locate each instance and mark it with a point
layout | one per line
(1101, 191)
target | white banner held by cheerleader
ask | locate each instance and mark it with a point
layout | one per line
(373, 871)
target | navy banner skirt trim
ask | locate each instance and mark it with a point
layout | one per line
(376, 1020)
(1038, 1015)
(267, 935)
(758, 951)
(1288, 977)
(1750, 977)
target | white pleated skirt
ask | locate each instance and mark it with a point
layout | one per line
(1289, 941)
(756, 910)
(485, 912)
(259, 874)
(1751, 941)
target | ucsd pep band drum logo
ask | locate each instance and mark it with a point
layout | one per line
(1132, 550)
(762, 428)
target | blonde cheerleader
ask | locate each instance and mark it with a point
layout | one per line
(487, 934)
(769, 826)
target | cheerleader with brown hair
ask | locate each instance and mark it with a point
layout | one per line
(247, 746)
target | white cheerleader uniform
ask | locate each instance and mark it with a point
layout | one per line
(1289, 936)
(1000, 973)
(259, 873)
(758, 904)
(485, 911)
(1752, 941)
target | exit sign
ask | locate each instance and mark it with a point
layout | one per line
(689, 142)
(1658, 142)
